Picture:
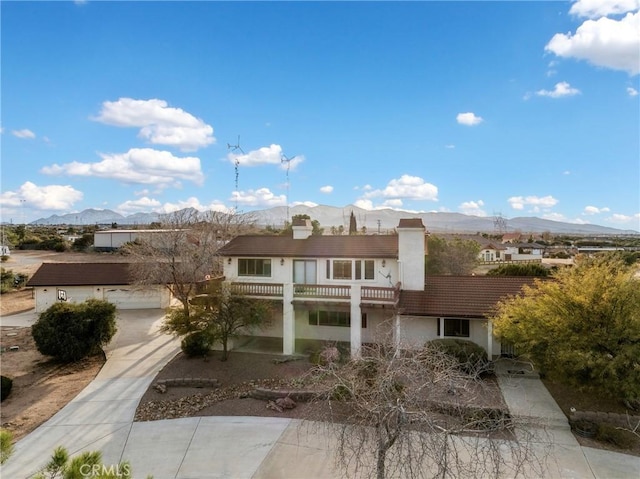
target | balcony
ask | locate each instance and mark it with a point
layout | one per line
(371, 295)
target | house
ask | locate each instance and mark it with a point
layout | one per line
(77, 282)
(490, 253)
(511, 253)
(111, 240)
(357, 288)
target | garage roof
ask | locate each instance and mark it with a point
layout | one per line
(81, 274)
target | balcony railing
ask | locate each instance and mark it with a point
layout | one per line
(370, 294)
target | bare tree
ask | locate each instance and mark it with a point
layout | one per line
(415, 413)
(184, 252)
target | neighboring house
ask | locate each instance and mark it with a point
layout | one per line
(110, 240)
(5, 251)
(511, 253)
(77, 282)
(357, 289)
(491, 253)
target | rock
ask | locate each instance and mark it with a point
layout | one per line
(272, 405)
(286, 403)
(161, 388)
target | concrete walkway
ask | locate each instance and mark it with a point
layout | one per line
(101, 418)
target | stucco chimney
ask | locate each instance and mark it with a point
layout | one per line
(411, 253)
(302, 228)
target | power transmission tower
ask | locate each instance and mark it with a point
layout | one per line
(284, 159)
(236, 162)
(499, 223)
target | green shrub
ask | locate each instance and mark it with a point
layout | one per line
(6, 385)
(6, 444)
(612, 435)
(471, 357)
(70, 332)
(196, 344)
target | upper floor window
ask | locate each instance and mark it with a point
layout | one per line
(348, 269)
(254, 267)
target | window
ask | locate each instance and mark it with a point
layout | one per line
(334, 318)
(254, 267)
(341, 269)
(455, 327)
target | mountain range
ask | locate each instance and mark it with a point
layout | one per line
(381, 220)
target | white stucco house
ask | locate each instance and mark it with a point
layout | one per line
(110, 240)
(356, 288)
(77, 282)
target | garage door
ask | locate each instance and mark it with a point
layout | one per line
(133, 298)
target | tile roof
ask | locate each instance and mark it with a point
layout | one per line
(411, 223)
(81, 274)
(461, 296)
(369, 246)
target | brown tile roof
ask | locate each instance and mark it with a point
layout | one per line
(411, 223)
(81, 274)
(369, 246)
(461, 296)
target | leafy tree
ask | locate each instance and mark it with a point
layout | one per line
(451, 257)
(288, 227)
(398, 412)
(82, 243)
(70, 332)
(515, 269)
(581, 327)
(221, 314)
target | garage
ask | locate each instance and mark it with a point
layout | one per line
(77, 282)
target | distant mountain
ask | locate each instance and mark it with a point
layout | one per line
(382, 220)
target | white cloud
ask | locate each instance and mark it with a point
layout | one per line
(143, 204)
(469, 119)
(24, 134)
(632, 91)
(519, 202)
(472, 208)
(326, 189)
(393, 203)
(51, 197)
(593, 210)
(364, 204)
(193, 202)
(554, 217)
(450, 147)
(602, 8)
(604, 42)
(267, 155)
(406, 187)
(159, 124)
(624, 219)
(310, 204)
(260, 197)
(138, 165)
(561, 89)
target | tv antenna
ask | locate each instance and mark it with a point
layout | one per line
(285, 159)
(236, 162)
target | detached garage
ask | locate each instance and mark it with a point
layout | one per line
(77, 282)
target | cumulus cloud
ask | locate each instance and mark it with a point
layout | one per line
(469, 119)
(632, 91)
(138, 165)
(192, 202)
(364, 204)
(267, 155)
(143, 204)
(51, 197)
(554, 217)
(594, 210)
(602, 41)
(24, 134)
(309, 204)
(536, 202)
(624, 219)
(560, 90)
(260, 197)
(159, 123)
(473, 208)
(406, 187)
(326, 189)
(393, 203)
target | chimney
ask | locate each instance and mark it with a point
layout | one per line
(411, 253)
(302, 228)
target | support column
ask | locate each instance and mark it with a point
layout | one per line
(356, 320)
(489, 339)
(288, 320)
(441, 335)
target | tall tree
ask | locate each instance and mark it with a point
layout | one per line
(184, 253)
(399, 412)
(581, 327)
(353, 227)
(451, 257)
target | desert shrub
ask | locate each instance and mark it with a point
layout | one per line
(6, 280)
(515, 269)
(6, 385)
(4, 258)
(70, 332)
(6, 444)
(613, 435)
(471, 357)
(196, 344)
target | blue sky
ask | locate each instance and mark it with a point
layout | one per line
(518, 108)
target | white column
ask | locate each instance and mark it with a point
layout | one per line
(356, 321)
(489, 339)
(441, 335)
(397, 334)
(288, 320)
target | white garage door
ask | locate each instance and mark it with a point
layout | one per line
(133, 298)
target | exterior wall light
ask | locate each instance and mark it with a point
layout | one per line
(281, 261)
(229, 261)
(384, 263)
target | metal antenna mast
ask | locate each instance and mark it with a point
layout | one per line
(285, 159)
(236, 162)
